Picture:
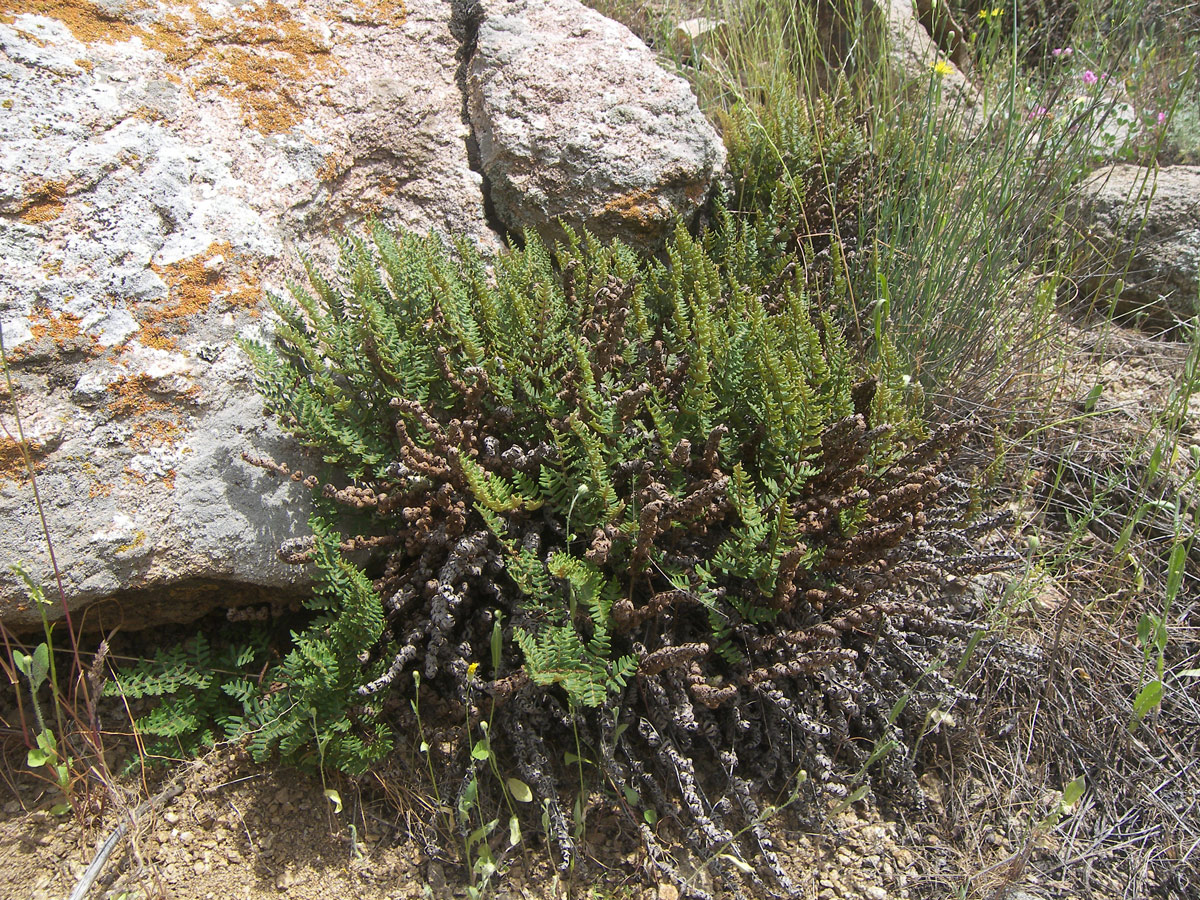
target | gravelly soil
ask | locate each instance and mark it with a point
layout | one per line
(238, 831)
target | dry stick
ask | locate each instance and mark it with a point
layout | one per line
(172, 790)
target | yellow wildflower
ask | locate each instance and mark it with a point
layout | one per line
(471, 670)
(941, 68)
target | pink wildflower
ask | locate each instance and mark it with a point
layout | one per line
(1062, 51)
(1161, 118)
(1089, 77)
(1040, 113)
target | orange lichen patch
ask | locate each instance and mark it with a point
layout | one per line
(155, 421)
(194, 284)
(131, 396)
(258, 55)
(42, 211)
(157, 431)
(247, 294)
(59, 327)
(329, 169)
(61, 331)
(13, 465)
(44, 204)
(153, 336)
(258, 84)
(637, 209)
(383, 12)
(148, 114)
(85, 20)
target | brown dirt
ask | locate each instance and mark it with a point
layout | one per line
(238, 830)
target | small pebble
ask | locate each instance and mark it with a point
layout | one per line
(876, 893)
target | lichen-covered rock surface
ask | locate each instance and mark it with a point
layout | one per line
(162, 162)
(576, 120)
(1157, 214)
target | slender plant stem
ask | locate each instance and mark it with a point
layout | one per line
(37, 497)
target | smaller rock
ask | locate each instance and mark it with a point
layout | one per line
(692, 35)
(576, 121)
(435, 876)
(1148, 223)
(668, 892)
(915, 57)
(289, 878)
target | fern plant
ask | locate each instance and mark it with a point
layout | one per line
(198, 691)
(664, 483)
(306, 713)
(572, 391)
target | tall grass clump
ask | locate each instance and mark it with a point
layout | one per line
(966, 242)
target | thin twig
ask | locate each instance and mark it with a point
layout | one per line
(172, 790)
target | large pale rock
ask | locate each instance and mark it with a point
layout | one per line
(1147, 222)
(162, 163)
(576, 120)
